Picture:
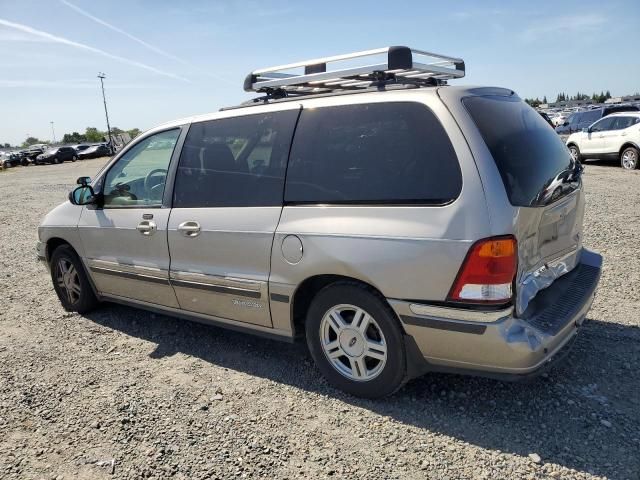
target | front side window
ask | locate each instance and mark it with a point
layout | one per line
(138, 178)
(378, 153)
(235, 162)
(603, 125)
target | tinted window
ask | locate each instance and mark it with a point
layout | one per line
(574, 118)
(373, 153)
(528, 155)
(587, 118)
(604, 124)
(235, 162)
(138, 177)
(621, 123)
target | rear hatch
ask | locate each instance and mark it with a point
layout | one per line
(542, 181)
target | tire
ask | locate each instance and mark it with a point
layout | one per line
(575, 151)
(79, 299)
(74, 158)
(56, 160)
(630, 158)
(352, 363)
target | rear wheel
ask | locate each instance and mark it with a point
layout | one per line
(574, 151)
(356, 341)
(629, 158)
(70, 281)
(74, 158)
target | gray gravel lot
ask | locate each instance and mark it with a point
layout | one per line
(122, 393)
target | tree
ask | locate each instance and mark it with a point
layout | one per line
(74, 137)
(31, 141)
(7, 145)
(92, 134)
(116, 131)
(134, 132)
(544, 99)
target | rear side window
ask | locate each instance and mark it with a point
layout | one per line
(373, 153)
(235, 162)
(529, 155)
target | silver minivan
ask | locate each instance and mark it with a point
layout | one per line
(399, 224)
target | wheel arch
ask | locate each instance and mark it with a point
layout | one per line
(309, 288)
(627, 145)
(55, 242)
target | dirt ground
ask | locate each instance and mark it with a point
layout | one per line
(121, 393)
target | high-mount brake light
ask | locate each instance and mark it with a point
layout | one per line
(487, 274)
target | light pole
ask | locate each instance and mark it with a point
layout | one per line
(53, 132)
(102, 76)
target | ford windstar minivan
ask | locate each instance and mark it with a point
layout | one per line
(398, 224)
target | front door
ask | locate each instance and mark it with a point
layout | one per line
(226, 207)
(594, 143)
(125, 236)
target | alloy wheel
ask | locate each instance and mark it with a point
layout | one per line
(629, 159)
(353, 342)
(574, 152)
(68, 280)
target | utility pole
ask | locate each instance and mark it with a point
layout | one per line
(53, 132)
(102, 76)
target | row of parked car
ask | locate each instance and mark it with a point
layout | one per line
(43, 154)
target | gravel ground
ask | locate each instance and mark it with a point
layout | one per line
(121, 393)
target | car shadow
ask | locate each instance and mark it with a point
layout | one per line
(576, 404)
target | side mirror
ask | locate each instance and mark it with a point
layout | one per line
(83, 181)
(82, 195)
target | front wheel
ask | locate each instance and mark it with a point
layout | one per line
(56, 160)
(629, 158)
(356, 341)
(74, 158)
(70, 281)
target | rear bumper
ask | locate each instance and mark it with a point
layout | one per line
(499, 344)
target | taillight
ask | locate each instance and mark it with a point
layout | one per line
(487, 274)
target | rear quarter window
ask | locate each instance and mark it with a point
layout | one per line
(528, 153)
(378, 153)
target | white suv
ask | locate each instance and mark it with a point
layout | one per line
(616, 136)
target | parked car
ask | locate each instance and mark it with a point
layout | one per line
(33, 152)
(81, 147)
(94, 151)
(11, 159)
(369, 247)
(579, 120)
(615, 137)
(547, 118)
(57, 155)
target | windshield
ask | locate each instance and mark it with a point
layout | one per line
(51, 150)
(535, 165)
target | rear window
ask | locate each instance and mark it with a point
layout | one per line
(378, 153)
(528, 153)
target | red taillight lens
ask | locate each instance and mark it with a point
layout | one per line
(487, 273)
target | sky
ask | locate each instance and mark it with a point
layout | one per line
(166, 59)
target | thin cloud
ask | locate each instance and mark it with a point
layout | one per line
(569, 25)
(138, 40)
(55, 39)
(122, 32)
(72, 84)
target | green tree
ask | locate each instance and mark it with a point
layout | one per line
(74, 137)
(116, 131)
(134, 132)
(607, 95)
(92, 134)
(31, 141)
(544, 99)
(7, 145)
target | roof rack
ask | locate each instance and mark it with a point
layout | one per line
(402, 65)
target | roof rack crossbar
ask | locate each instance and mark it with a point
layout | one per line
(402, 65)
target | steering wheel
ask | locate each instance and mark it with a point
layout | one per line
(148, 186)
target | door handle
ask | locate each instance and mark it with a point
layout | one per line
(189, 229)
(147, 227)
